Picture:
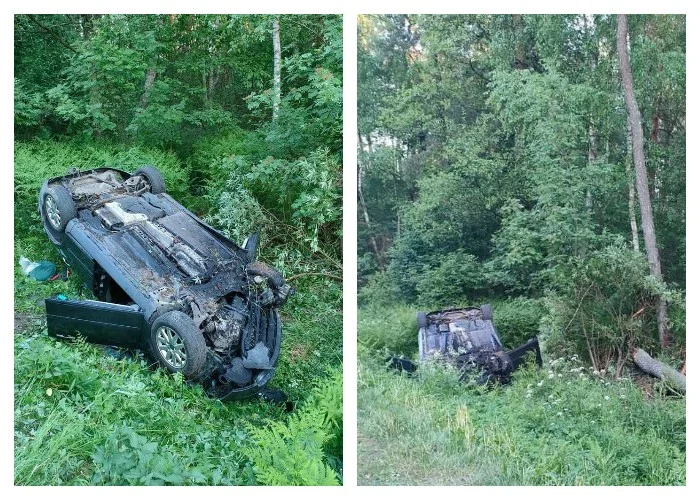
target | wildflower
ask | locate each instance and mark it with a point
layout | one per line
(607, 398)
(559, 414)
(551, 396)
(551, 375)
(559, 375)
(539, 384)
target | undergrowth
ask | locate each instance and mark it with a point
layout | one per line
(84, 414)
(564, 424)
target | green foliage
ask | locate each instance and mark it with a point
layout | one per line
(392, 330)
(518, 319)
(303, 195)
(292, 453)
(504, 137)
(456, 278)
(608, 304)
(381, 290)
(128, 458)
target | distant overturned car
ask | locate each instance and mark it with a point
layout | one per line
(165, 281)
(467, 339)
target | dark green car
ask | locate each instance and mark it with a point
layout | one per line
(165, 281)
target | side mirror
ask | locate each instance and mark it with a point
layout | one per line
(250, 245)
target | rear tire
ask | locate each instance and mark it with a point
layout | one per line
(153, 178)
(421, 319)
(486, 312)
(177, 344)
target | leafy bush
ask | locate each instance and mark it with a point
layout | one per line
(455, 279)
(381, 290)
(518, 319)
(302, 196)
(608, 305)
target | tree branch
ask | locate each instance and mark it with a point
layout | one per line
(52, 34)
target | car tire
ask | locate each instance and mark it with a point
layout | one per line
(258, 268)
(153, 177)
(57, 209)
(486, 312)
(177, 344)
(422, 319)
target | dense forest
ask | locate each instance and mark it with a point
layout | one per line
(535, 162)
(242, 114)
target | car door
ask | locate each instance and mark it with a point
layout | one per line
(98, 322)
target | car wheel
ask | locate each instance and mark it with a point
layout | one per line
(178, 345)
(486, 312)
(153, 177)
(421, 319)
(58, 208)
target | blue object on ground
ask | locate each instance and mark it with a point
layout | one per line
(43, 271)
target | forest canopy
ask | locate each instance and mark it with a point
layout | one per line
(495, 162)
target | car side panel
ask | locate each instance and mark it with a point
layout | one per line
(78, 259)
(117, 272)
(98, 322)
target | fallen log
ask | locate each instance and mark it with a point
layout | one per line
(658, 369)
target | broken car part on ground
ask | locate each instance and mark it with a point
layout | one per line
(467, 339)
(165, 281)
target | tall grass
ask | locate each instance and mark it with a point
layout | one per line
(560, 425)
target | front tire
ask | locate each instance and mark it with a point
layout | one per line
(177, 344)
(153, 178)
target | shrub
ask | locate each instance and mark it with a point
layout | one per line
(517, 320)
(381, 290)
(607, 305)
(451, 280)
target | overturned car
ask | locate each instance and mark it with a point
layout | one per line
(165, 281)
(467, 339)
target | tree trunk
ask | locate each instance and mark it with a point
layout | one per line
(635, 121)
(592, 157)
(365, 214)
(658, 369)
(148, 85)
(631, 191)
(277, 71)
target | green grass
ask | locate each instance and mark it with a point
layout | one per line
(82, 416)
(560, 425)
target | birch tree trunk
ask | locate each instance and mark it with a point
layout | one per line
(148, 85)
(631, 193)
(635, 120)
(277, 69)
